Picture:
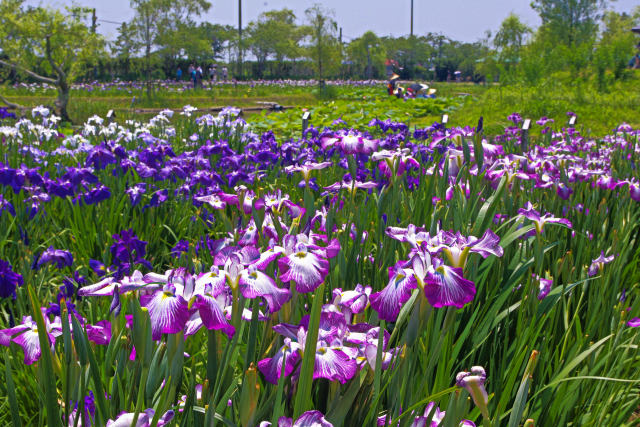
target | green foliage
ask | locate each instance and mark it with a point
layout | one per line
(368, 55)
(509, 41)
(275, 34)
(47, 45)
(570, 22)
(324, 49)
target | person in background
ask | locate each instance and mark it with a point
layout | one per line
(211, 72)
(391, 86)
(179, 74)
(215, 72)
(192, 74)
(635, 60)
(225, 73)
(198, 76)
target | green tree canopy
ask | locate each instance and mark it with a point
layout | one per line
(324, 49)
(48, 45)
(368, 54)
(570, 22)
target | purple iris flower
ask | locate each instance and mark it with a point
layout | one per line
(26, 336)
(97, 267)
(597, 264)
(540, 220)
(100, 156)
(413, 235)
(634, 191)
(109, 285)
(144, 419)
(564, 191)
(127, 250)
(5, 114)
(352, 301)
(59, 257)
(445, 285)
(544, 286)
(169, 307)
(9, 280)
(181, 247)
(515, 118)
(96, 194)
(288, 355)
(89, 410)
(634, 322)
(168, 311)
(303, 267)
(157, 198)
(306, 419)
(473, 382)
(135, 193)
(254, 283)
(389, 301)
(349, 142)
(6, 205)
(332, 362)
(544, 120)
(457, 247)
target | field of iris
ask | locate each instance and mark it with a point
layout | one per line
(198, 269)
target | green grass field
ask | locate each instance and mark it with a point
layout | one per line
(464, 102)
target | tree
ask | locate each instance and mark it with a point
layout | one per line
(163, 25)
(274, 34)
(511, 36)
(509, 41)
(570, 22)
(368, 55)
(123, 47)
(324, 50)
(615, 47)
(48, 46)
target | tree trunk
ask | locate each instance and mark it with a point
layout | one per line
(62, 101)
(148, 70)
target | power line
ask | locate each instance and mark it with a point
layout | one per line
(111, 22)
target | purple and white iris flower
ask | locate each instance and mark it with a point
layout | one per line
(145, 418)
(538, 220)
(597, 265)
(303, 267)
(306, 419)
(389, 301)
(544, 286)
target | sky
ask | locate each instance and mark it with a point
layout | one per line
(463, 20)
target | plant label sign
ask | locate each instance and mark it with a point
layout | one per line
(445, 119)
(305, 120)
(527, 124)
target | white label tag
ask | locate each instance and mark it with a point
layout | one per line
(526, 124)
(445, 119)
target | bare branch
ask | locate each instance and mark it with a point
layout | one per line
(30, 73)
(55, 66)
(11, 104)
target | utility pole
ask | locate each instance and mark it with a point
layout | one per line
(411, 18)
(94, 21)
(239, 39)
(94, 26)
